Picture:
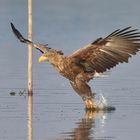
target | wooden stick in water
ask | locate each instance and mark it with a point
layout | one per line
(30, 83)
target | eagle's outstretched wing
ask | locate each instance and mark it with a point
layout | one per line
(40, 47)
(104, 54)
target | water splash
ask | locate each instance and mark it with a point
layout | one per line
(102, 103)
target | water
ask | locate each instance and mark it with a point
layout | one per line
(58, 112)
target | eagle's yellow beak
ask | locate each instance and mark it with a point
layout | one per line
(42, 58)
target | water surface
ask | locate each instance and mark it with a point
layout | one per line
(58, 112)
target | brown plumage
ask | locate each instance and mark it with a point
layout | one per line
(98, 56)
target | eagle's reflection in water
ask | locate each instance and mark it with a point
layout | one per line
(85, 127)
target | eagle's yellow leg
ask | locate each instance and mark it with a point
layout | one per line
(90, 104)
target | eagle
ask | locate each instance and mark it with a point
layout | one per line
(96, 57)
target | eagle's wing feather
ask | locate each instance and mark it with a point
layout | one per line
(106, 53)
(40, 47)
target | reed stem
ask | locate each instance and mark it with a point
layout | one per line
(30, 83)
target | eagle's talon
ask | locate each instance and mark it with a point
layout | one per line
(89, 104)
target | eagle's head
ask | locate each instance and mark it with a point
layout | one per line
(51, 56)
